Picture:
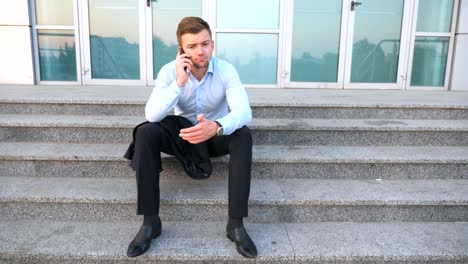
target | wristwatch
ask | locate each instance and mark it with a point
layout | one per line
(220, 130)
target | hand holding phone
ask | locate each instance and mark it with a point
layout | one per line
(181, 78)
(183, 52)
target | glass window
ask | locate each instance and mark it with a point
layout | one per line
(259, 14)
(315, 41)
(429, 61)
(166, 16)
(54, 12)
(114, 39)
(376, 43)
(434, 15)
(255, 56)
(57, 55)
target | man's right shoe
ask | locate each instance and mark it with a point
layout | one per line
(244, 244)
(142, 241)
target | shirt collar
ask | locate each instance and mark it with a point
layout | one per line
(211, 66)
(210, 70)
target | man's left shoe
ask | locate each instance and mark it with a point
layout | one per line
(142, 241)
(244, 244)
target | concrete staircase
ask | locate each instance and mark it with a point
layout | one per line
(338, 177)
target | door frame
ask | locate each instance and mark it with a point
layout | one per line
(150, 78)
(288, 28)
(345, 52)
(402, 58)
(35, 42)
(86, 54)
(280, 32)
(451, 47)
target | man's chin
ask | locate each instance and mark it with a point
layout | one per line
(200, 65)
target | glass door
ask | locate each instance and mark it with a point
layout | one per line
(315, 51)
(114, 42)
(347, 44)
(163, 16)
(377, 44)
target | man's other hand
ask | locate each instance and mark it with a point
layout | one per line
(204, 130)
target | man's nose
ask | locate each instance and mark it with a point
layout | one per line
(199, 50)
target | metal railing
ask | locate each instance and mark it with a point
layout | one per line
(394, 63)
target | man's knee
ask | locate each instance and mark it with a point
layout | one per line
(149, 131)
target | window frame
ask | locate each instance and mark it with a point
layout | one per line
(35, 40)
(280, 33)
(450, 35)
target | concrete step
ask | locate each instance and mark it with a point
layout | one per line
(291, 200)
(266, 103)
(54, 242)
(344, 132)
(259, 111)
(269, 162)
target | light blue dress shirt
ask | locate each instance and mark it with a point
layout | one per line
(220, 96)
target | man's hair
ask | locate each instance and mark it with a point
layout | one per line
(191, 25)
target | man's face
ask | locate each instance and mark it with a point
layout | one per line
(198, 47)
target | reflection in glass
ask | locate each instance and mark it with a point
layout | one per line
(57, 56)
(429, 61)
(114, 37)
(434, 15)
(315, 41)
(166, 16)
(376, 42)
(255, 56)
(258, 14)
(54, 12)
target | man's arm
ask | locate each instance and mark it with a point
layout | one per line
(239, 115)
(164, 96)
(169, 83)
(240, 112)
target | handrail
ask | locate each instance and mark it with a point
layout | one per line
(373, 51)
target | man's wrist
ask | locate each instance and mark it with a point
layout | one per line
(179, 85)
(219, 129)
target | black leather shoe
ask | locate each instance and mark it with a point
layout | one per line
(244, 244)
(142, 241)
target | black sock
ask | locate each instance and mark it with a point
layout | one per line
(150, 219)
(235, 222)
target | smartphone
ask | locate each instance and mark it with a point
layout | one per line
(183, 52)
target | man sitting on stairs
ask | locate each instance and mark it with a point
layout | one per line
(211, 110)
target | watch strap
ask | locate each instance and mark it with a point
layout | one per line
(220, 129)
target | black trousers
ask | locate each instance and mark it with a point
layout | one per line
(151, 139)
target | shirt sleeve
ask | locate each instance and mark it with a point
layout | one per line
(240, 112)
(164, 96)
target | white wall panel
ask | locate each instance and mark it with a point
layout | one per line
(460, 64)
(463, 18)
(14, 12)
(16, 64)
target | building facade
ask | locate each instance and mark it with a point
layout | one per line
(336, 44)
